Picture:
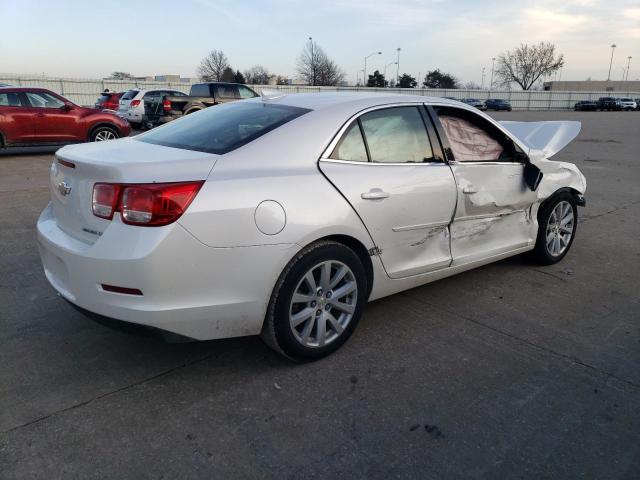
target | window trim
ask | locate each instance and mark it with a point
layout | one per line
(433, 140)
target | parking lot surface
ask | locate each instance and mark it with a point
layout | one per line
(508, 371)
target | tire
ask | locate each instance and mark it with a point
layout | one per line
(557, 225)
(102, 133)
(319, 303)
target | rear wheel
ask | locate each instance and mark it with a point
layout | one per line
(316, 303)
(100, 134)
(557, 223)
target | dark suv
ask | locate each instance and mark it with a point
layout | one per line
(609, 103)
(497, 104)
(36, 116)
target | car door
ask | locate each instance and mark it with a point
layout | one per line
(493, 213)
(54, 122)
(16, 118)
(391, 170)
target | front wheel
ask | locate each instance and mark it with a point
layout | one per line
(317, 302)
(557, 223)
(101, 134)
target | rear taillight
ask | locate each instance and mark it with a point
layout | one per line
(147, 204)
(166, 105)
(105, 199)
(134, 103)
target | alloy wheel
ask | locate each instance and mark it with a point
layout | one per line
(560, 228)
(323, 303)
(103, 135)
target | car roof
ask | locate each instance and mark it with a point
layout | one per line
(357, 100)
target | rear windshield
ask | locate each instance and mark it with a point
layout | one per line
(222, 128)
(130, 94)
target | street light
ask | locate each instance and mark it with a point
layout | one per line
(313, 64)
(613, 47)
(365, 64)
(482, 84)
(385, 68)
(628, 65)
(398, 67)
(493, 59)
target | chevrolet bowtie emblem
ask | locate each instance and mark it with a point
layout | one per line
(64, 188)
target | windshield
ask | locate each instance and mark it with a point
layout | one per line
(222, 128)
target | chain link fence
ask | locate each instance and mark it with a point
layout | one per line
(86, 91)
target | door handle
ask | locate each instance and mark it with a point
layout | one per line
(374, 194)
(469, 189)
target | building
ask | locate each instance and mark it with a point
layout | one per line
(594, 86)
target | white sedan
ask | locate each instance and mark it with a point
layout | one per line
(282, 216)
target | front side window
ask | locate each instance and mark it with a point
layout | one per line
(246, 92)
(224, 128)
(44, 100)
(10, 100)
(472, 138)
(351, 146)
(396, 135)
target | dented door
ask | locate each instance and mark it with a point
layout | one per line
(493, 211)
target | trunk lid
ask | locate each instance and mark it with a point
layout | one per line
(117, 161)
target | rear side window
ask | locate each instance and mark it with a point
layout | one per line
(10, 100)
(351, 146)
(200, 90)
(226, 91)
(224, 128)
(129, 94)
(396, 135)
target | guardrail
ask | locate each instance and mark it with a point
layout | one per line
(86, 91)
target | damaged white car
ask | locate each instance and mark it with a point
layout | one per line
(282, 216)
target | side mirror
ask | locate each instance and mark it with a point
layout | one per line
(66, 107)
(532, 176)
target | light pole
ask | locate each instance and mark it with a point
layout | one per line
(313, 64)
(482, 84)
(398, 67)
(493, 59)
(365, 65)
(628, 65)
(385, 69)
(613, 47)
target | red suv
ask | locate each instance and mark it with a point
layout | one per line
(36, 116)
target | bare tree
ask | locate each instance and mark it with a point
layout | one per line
(212, 66)
(316, 68)
(527, 63)
(257, 75)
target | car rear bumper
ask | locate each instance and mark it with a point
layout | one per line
(188, 288)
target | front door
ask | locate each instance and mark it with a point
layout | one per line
(54, 121)
(385, 167)
(494, 202)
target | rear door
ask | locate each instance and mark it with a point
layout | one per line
(53, 122)
(391, 170)
(494, 203)
(16, 118)
(224, 93)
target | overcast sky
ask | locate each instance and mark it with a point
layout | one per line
(85, 38)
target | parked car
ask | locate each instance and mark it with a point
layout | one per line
(609, 103)
(36, 116)
(203, 95)
(497, 104)
(585, 106)
(311, 211)
(637, 100)
(474, 102)
(5, 85)
(108, 100)
(628, 104)
(142, 107)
